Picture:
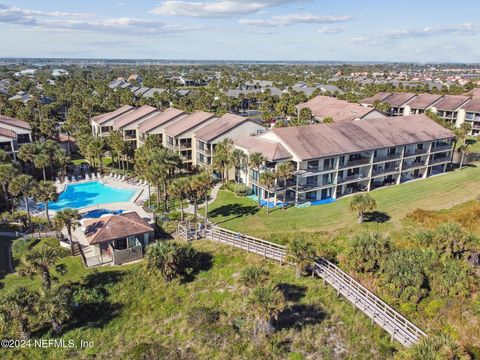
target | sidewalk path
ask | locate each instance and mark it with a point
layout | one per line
(211, 199)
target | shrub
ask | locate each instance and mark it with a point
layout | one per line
(202, 316)
(368, 251)
(253, 276)
(241, 190)
(169, 227)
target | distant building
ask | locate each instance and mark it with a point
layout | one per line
(59, 72)
(27, 72)
(13, 134)
(451, 108)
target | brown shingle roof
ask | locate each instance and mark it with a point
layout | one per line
(473, 105)
(160, 119)
(8, 133)
(14, 122)
(272, 150)
(338, 110)
(102, 118)
(398, 99)
(111, 227)
(188, 122)
(377, 97)
(133, 116)
(423, 101)
(220, 127)
(451, 102)
(316, 141)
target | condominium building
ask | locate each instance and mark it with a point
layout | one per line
(127, 124)
(333, 160)
(179, 135)
(102, 124)
(451, 108)
(472, 115)
(156, 124)
(13, 133)
(229, 126)
(323, 107)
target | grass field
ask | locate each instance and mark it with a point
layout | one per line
(439, 192)
(144, 317)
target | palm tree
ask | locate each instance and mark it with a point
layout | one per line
(45, 192)
(267, 181)
(465, 150)
(38, 262)
(56, 307)
(117, 144)
(222, 158)
(41, 161)
(284, 172)
(194, 193)
(97, 149)
(68, 218)
(24, 185)
(239, 160)
(205, 185)
(62, 161)
(362, 203)
(17, 308)
(8, 172)
(266, 302)
(255, 161)
(179, 190)
(302, 253)
(27, 153)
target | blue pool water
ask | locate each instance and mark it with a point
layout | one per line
(95, 214)
(90, 193)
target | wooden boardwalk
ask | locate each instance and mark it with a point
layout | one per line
(394, 323)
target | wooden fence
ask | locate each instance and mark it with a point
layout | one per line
(399, 327)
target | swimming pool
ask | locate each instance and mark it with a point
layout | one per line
(81, 195)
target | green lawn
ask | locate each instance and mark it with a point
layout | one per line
(443, 191)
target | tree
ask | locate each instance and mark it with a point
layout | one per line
(45, 192)
(117, 144)
(8, 172)
(56, 307)
(68, 218)
(205, 184)
(41, 161)
(265, 302)
(284, 172)
(179, 190)
(38, 262)
(222, 158)
(24, 185)
(62, 161)
(465, 150)
(368, 251)
(239, 160)
(267, 181)
(17, 308)
(452, 240)
(302, 253)
(255, 161)
(362, 203)
(305, 115)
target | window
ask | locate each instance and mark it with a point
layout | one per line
(391, 151)
(469, 116)
(312, 165)
(170, 140)
(311, 195)
(312, 180)
(328, 164)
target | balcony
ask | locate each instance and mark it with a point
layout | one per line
(358, 162)
(414, 164)
(384, 158)
(342, 180)
(440, 160)
(445, 147)
(381, 171)
(416, 152)
(204, 150)
(185, 145)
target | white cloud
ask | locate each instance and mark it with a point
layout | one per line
(328, 30)
(216, 9)
(286, 20)
(465, 29)
(60, 21)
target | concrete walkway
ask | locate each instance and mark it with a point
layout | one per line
(211, 199)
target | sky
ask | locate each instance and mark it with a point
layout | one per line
(288, 30)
